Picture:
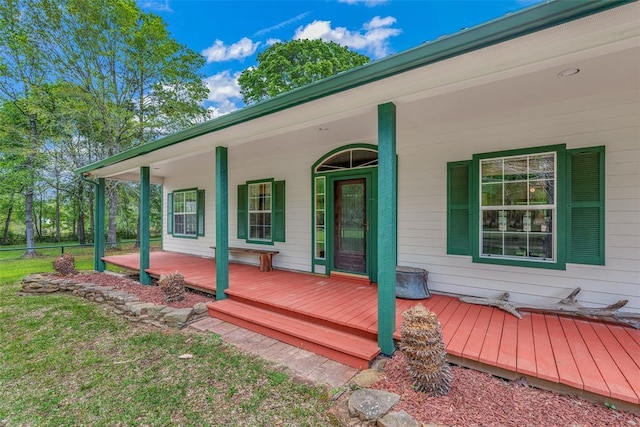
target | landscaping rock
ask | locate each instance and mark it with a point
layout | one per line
(178, 317)
(397, 419)
(141, 308)
(200, 308)
(118, 302)
(367, 404)
(366, 378)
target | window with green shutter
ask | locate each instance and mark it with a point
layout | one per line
(185, 213)
(261, 211)
(538, 207)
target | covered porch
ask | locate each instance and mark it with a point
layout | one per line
(595, 360)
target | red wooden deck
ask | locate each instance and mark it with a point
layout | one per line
(588, 358)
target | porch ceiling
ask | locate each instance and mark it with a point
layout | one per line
(511, 76)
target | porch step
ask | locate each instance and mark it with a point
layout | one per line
(331, 343)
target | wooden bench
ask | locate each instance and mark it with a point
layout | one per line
(266, 256)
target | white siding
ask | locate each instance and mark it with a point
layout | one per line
(424, 153)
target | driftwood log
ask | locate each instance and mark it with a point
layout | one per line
(567, 307)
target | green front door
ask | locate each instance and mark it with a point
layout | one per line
(350, 225)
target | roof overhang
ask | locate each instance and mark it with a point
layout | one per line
(541, 38)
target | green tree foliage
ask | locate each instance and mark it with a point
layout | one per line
(86, 80)
(289, 65)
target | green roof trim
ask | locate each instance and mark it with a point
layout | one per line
(499, 30)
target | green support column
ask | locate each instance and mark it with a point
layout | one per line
(222, 224)
(144, 213)
(98, 226)
(387, 226)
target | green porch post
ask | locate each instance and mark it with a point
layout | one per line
(98, 226)
(222, 223)
(387, 226)
(144, 212)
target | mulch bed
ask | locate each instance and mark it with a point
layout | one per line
(151, 293)
(479, 399)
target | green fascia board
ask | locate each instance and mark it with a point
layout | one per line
(509, 27)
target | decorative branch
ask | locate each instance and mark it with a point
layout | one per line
(567, 306)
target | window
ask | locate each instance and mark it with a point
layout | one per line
(320, 216)
(185, 216)
(539, 207)
(517, 207)
(261, 211)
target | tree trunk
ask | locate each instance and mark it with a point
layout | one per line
(5, 233)
(137, 244)
(57, 207)
(28, 222)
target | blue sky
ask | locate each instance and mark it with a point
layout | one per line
(230, 33)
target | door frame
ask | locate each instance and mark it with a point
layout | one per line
(370, 174)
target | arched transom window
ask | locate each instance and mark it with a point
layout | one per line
(349, 159)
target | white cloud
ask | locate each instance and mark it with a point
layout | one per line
(218, 52)
(224, 93)
(369, 3)
(156, 5)
(271, 42)
(373, 39)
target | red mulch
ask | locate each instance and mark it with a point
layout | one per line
(146, 293)
(479, 399)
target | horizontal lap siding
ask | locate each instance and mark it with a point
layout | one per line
(183, 177)
(423, 155)
(295, 169)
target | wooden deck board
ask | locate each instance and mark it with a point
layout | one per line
(545, 360)
(600, 358)
(591, 378)
(526, 349)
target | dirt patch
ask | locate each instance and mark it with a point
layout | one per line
(479, 399)
(150, 293)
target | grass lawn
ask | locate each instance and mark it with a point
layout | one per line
(65, 361)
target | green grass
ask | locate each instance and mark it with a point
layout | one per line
(65, 361)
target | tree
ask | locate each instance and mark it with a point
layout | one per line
(135, 81)
(289, 65)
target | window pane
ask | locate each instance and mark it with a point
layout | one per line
(490, 221)
(190, 201)
(178, 224)
(515, 168)
(515, 193)
(319, 186)
(492, 243)
(515, 244)
(541, 192)
(491, 170)
(320, 218)
(541, 245)
(542, 166)
(362, 158)
(491, 194)
(178, 202)
(320, 250)
(191, 227)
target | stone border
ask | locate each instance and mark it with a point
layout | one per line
(119, 302)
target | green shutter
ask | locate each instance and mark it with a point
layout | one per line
(200, 212)
(585, 210)
(242, 211)
(459, 208)
(278, 212)
(170, 213)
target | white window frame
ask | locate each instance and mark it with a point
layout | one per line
(184, 213)
(252, 212)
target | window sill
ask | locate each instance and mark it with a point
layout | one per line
(557, 265)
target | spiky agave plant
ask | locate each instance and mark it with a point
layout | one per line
(172, 286)
(424, 351)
